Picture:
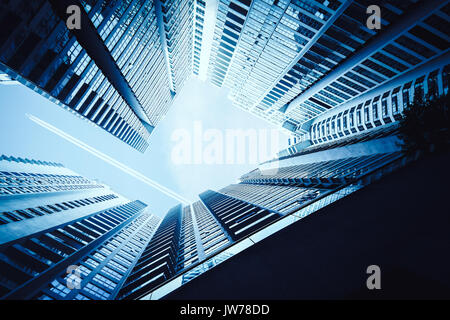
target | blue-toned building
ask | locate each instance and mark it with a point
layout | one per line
(311, 65)
(186, 237)
(6, 80)
(63, 236)
(199, 14)
(193, 239)
(121, 70)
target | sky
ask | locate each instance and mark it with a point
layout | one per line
(197, 124)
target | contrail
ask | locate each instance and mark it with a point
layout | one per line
(109, 160)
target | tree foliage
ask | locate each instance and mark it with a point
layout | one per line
(425, 125)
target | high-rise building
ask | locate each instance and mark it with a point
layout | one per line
(120, 70)
(177, 36)
(303, 64)
(63, 236)
(269, 193)
(6, 80)
(191, 240)
(200, 10)
(186, 237)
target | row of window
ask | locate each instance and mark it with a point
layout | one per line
(108, 263)
(281, 199)
(18, 215)
(30, 161)
(157, 261)
(422, 42)
(321, 173)
(380, 110)
(238, 217)
(232, 17)
(211, 234)
(34, 255)
(22, 183)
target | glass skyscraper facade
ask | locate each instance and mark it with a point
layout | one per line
(120, 71)
(192, 239)
(313, 68)
(295, 62)
(120, 251)
(200, 7)
(52, 219)
(186, 237)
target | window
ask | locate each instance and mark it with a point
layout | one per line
(84, 270)
(96, 291)
(358, 117)
(99, 256)
(105, 281)
(238, 9)
(432, 85)
(105, 251)
(406, 98)
(366, 113)
(80, 296)
(445, 72)
(11, 216)
(114, 274)
(59, 289)
(375, 110)
(117, 265)
(384, 107)
(394, 104)
(418, 89)
(91, 262)
(235, 18)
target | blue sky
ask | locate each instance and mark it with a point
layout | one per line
(198, 102)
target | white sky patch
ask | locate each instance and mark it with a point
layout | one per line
(109, 160)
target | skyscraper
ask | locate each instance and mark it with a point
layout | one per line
(270, 193)
(200, 7)
(315, 68)
(57, 227)
(295, 62)
(6, 80)
(186, 237)
(192, 239)
(121, 70)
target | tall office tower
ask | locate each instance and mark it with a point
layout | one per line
(100, 274)
(177, 35)
(117, 70)
(192, 239)
(199, 13)
(293, 62)
(53, 221)
(301, 184)
(6, 80)
(186, 237)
